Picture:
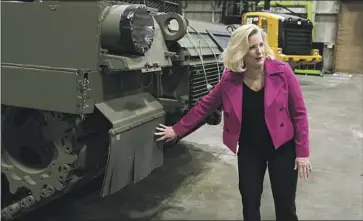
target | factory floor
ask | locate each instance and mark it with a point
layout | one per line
(199, 176)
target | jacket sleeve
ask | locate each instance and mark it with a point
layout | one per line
(298, 112)
(200, 110)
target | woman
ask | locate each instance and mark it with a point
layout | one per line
(265, 121)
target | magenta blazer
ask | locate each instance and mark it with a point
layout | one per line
(285, 110)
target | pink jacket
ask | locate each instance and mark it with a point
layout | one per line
(285, 111)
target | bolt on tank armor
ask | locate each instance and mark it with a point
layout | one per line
(85, 83)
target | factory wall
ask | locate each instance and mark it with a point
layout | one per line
(202, 10)
(325, 15)
(348, 53)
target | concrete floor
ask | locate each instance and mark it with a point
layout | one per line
(199, 176)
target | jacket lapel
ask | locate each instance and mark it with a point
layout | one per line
(273, 81)
(233, 89)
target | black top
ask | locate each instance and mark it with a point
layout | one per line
(254, 131)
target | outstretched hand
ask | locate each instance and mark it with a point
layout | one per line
(165, 133)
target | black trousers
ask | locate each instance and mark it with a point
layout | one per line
(252, 164)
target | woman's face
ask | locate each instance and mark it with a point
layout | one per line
(255, 57)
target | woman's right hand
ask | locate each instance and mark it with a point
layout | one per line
(165, 133)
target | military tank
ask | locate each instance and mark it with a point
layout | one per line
(84, 84)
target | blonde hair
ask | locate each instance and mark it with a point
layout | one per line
(238, 47)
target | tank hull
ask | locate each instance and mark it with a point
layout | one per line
(78, 92)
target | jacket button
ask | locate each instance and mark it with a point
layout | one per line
(281, 108)
(226, 114)
(282, 124)
(227, 130)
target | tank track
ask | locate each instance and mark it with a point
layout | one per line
(40, 155)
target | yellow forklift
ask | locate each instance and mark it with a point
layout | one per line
(289, 35)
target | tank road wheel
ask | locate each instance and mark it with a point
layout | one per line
(37, 155)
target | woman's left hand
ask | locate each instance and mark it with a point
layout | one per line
(304, 166)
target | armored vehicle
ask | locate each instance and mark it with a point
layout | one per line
(84, 84)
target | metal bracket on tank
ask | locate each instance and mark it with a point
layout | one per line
(164, 19)
(83, 88)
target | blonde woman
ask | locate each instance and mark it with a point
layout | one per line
(265, 122)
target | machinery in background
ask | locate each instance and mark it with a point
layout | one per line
(293, 42)
(233, 9)
(304, 10)
(78, 96)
